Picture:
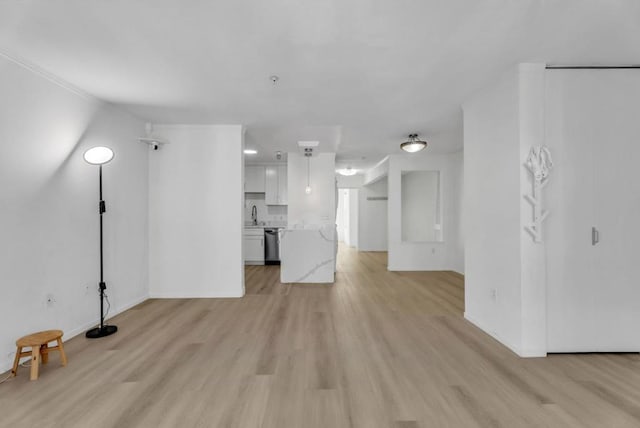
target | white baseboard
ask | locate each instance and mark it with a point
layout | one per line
(491, 333)
(532, 353)
(523, 353)
(69, 334)
(174, 295)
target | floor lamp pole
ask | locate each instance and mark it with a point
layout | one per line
(102, 330)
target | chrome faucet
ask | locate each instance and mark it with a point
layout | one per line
(254, 215)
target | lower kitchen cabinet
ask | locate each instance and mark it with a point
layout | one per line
(254, 247)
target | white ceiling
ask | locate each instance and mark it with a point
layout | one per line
(357, 75)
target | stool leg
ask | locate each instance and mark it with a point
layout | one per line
(63, 356)
(35, 361)
(44, 353)
(16, 361)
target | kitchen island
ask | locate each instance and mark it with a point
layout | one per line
(308, 254)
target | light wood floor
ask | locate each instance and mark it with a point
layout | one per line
(377, 349)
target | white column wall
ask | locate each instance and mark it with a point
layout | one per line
(196, 212)
(505, 285)
(492, 211)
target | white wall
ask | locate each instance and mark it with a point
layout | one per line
(424, 255)
(342, 222)
(319, 207)
(346, 217)
(533, 279)
(504, 270)
(49, 216)
(377, 172)
(353, 217)
(196, 204)
(350, 182)
(372, 217)
(457, 174)
(492, 210)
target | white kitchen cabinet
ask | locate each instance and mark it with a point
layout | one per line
(254, 179)
(271, 185)
(254, 246)
(276, 185)
(282, 185)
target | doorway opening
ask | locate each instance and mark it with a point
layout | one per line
(347, 217)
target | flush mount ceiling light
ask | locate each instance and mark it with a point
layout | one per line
(250, 152)
(413, 144)
(347, 171)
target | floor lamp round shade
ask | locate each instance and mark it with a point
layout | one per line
(98, 155)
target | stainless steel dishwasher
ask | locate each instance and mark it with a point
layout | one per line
(271, 246)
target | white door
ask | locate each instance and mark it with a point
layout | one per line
(593, 294)
(617, 214)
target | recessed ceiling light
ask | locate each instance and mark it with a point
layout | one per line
(347, 171)
(250, 152)
(413, 144)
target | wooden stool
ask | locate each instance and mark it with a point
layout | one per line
(39, 344)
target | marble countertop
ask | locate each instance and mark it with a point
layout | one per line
(265, 225)
(308, 255)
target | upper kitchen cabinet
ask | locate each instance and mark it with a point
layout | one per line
(276, 185)
(254, 179)
(282, 184)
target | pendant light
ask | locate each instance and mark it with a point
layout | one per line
(307, 153)
(413, 145)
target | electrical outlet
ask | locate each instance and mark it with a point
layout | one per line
(50, 300)
(494, 294)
